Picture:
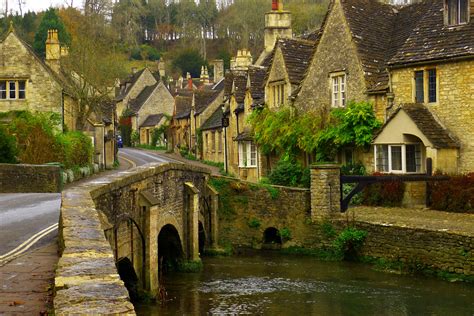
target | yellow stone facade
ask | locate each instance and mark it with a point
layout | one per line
(454, 108)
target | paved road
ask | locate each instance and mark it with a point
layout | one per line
(25, 215)
(141, 157)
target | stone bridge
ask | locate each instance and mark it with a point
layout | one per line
(139, 221)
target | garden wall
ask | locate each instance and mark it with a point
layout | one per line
(23, 178)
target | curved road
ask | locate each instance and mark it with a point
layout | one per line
(25, 215)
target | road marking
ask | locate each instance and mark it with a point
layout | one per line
(27, 244)
(128, 160)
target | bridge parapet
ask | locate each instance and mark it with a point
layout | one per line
(120, 216)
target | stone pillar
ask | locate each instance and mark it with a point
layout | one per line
(151, 251)
(325, 191)
(193, 221)
(214, 219)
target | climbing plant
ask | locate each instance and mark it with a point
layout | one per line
(352, 126)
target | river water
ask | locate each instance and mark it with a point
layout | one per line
(273, 284)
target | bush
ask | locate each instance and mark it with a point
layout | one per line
(384, 194)
(145, 52)
(77, 149)
(454, 195)
(8, 150)
(349, 242)
(289, 174)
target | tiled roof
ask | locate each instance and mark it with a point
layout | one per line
(413, 33)
(428, 125)
(127, 84)
(297, 54)
(228, 80)
(152, 120)
(203, 98)
(214, 121)
(183, 106)
(431, 39)
(240, 85)
(244, 136)
(257, 79)
(136, 104)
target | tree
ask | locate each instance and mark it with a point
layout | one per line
(91, 70)
(50, 20)
(189, 61)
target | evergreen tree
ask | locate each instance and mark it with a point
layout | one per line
(50, 20)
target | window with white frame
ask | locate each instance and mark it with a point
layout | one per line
(12, 89)
(457, 12)
(247, 154)
(398, 158)
(338, 90)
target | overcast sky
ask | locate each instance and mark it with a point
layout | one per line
(36, 5)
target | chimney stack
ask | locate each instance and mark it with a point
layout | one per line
(277, 24)
(53, 50)
(242, 61)
(218, 69)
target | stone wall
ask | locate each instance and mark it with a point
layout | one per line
(455, 106)
(30, 178)
(101, 222)
(246, 210)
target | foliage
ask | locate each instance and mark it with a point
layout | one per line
(8, 149)
(283, 132)
(328, 229)
(384, 194)
(289, 173)
(145, 52)
(356, 168)
(254, 223)
(274, 192)
(77, 149)
(349, 242)
(150, 147)
(189, 61)
(40, 141)
(453, 195)
(135, 138)
(285, 233)
(49, 21)
(351, 126)
(322, 254)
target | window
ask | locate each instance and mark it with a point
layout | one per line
(213, 138)
(219, 146)
(247, 154)
(426, 86)
(348, 156)
(419, 85)
(278, 93)
(432, 85)
(398, 158)
(12, 89)
(457, 11)
(207, 142)
(338, 90)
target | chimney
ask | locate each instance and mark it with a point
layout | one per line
(242, 61)
(162, 67)
(218, 69)
(53, 50)
(190, 81)
(277, 24)
(203, 74)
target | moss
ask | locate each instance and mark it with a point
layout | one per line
(254, 223)
(190, 266)
(320, 253)
(227, 250)
(274, 192)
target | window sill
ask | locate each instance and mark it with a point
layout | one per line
(247, 167)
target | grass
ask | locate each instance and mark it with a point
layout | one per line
(150, 147)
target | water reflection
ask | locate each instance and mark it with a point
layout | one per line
(264, 284)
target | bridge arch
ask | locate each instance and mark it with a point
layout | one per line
(170, 250)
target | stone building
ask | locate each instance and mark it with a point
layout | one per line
(29, 83)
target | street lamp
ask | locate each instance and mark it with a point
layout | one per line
(225, 123)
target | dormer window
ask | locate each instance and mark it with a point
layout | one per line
(457, 12)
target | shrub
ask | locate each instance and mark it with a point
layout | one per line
(349, 242)
(285, 233)
(77, 149)
(384, 193)
(8, 150)
(453, 195)
(286, 173)
(254, 223)
(145, 52)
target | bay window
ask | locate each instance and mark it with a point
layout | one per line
(399, 158)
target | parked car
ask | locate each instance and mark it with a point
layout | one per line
(119, 141)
